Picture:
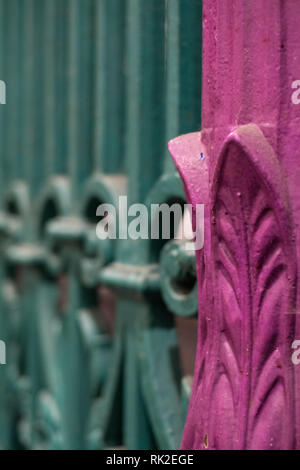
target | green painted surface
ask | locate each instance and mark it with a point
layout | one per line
(95, 89)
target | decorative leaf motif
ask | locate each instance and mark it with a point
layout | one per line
(243, 394)
(224, 409)
(252, 405)
(270, 416)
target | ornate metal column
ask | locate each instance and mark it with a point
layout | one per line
(246, 388)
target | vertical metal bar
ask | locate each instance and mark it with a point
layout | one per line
(137, 430)
(2, 107)
(28, 90)
(86, 45)
(50, 23)
(38, 170)
(183, 94)
(73, 152)
(99, 85)
(5, 76)
(172, 30)
(61, 43)
(79, 62)
(145, 94)
(14, 159)
(20, 92)
(109, 86)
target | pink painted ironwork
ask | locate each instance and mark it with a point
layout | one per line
(246, 388)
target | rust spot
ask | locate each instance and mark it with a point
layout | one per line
(205, 441)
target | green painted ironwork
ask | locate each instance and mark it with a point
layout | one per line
(95, 89)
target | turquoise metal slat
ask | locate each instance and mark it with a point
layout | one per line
(145, 78)
(109, 86)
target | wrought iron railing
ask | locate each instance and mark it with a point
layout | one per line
(100, 335)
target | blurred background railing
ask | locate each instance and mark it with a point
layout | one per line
(100, 335)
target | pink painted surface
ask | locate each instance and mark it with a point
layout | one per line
(246, 388)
